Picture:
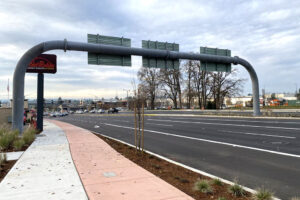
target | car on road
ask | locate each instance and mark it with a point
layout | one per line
(65, 113)
(79, 112)
(93, 111)
(113, 110)
(101, 111)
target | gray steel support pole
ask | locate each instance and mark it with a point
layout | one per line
(19, 74)
(40, 101)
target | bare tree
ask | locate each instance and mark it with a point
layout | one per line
(201, 80)
(189, 69)
(149, 78)
(225, 85)
(171, 85)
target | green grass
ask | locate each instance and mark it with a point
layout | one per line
(29, 135)
(18, 144)
(263, 194)
(221, 198)
(4, 129)
(10, 138)
(236, 190)
(7, 138)
(203, 186)
(217, 181)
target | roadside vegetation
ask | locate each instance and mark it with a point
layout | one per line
(10, 140)
(236, 190)
(203, 186)
(263, 194)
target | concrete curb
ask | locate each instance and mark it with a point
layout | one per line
(221, 116)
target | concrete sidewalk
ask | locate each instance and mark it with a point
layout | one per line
(106, 174)
(46, 170)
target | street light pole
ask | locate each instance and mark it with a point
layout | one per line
(127, 98)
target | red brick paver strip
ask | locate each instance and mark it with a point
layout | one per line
(106, 174)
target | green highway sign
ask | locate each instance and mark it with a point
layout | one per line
(160, 63)
(103, 59)
(212, 66)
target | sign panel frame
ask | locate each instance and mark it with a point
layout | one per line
(105, 59)
(44, 63)
(213, 66)
(149, 62)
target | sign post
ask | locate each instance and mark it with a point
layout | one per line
(40, 102)
(44, 63)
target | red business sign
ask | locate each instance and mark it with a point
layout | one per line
(44, 63)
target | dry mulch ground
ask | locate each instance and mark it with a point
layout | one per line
(179, 177)
(11, 149)
(4, 169)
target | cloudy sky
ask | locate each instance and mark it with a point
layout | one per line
(266, 33)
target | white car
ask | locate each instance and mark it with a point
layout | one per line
(93, 111)
(101, 111)
(79, 112)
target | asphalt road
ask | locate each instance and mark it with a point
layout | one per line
(256, 152)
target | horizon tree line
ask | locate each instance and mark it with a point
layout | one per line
(189, 83)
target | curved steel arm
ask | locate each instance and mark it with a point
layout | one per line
(19, 74)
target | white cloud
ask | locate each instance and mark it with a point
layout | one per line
(267, 33)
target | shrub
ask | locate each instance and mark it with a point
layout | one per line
(29, 135)
(217, 181)
(18, 144)
(263, 194)
(4, 129)
(236, 190)
(203, 186)
(8, 138)
(221, 198)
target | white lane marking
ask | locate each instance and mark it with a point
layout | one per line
(243, 125)
(120, 120)
(239, 120)
(258, 134)
(160, 124)
(211, 141)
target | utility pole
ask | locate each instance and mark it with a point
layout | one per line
(8, 103)
(127, 98)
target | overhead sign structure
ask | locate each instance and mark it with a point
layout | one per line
(213, 66)
(160, 63)
(104, 59)
(44, 63)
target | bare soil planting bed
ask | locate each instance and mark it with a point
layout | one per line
(179, 177)
(11, 149)
(4, 169)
